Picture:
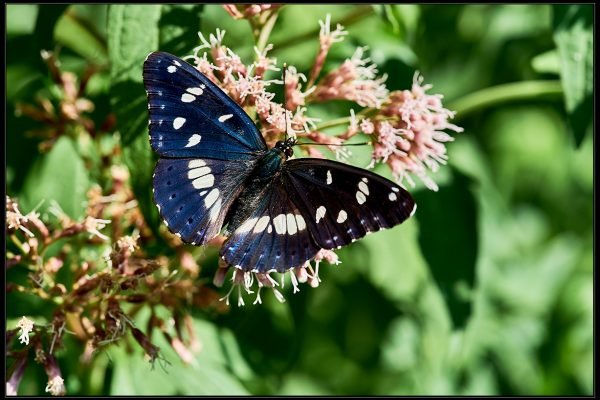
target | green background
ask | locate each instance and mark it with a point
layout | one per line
(487, 290)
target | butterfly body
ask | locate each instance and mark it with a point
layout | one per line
(216, 175)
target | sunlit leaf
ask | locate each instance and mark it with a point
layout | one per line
(61, 176)
(573, 34)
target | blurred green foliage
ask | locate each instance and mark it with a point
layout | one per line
(488, 290)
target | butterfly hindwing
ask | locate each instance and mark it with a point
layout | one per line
(342, 203)
(191, 117)
(274, 237)
(194, 195)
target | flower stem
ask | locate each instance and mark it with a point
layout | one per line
(265, 32)
(19, 245)
(528, 90)
(346, 120)
(349, 19)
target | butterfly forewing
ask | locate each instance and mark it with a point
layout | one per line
(274, 237)
(191, 117)
(342, 203)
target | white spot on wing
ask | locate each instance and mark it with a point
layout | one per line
(205, 181)
(342, 216)
(214, 212)
(171, 69)
(300, 222)
(261, 224)
(176, 63)
(360, 197)
(178, 122)
(225, 117)
(279, 223)
(194, 140)
(363, 187)
(270, 228)
(195, 90)
(393, 196)
(395, 189)
(196, 164)
(329, 178)
(210, 198)
(247, 226)
(365, 180)
(198, 172)
(291, 224)
(187, 98)
(320, 213)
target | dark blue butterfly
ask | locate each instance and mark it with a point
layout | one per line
(216, 174)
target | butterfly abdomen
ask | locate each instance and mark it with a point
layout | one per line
(267, 167)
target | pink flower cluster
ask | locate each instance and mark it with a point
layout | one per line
(411, 137)
(407, 126)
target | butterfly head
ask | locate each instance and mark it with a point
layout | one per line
(286, 146)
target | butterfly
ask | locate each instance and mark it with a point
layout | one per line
(216, 174)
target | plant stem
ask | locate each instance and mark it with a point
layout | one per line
(528, 90)
(18, 243)
(266, 32)
(349, 19)
(346, 121)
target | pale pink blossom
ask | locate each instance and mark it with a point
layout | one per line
(413, 140)
(355, 80)
(327, 38)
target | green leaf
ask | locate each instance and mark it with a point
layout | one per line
(59, 175)
(179, 25)
(401, 278)
(140, 161)
(133, 33)
(449, 241)
(20, 18)
(208, 373)
(48, 16)
(73, 32)
(403, 18)
(547, 62)
(573, 34)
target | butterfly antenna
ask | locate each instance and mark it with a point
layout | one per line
(336, 144)
(285, 101)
